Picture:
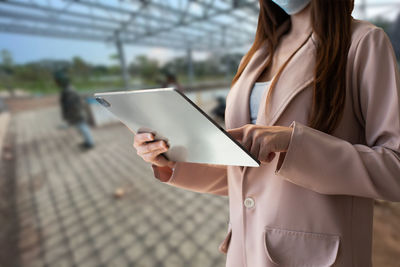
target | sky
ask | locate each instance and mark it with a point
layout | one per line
(26, 48)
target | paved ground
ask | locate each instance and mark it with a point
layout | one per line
(67, 216)
(57, 206)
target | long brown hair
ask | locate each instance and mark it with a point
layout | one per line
(331, 21)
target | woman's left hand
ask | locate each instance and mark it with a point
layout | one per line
(263, 141)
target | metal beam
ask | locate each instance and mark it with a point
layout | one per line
(242, 18)
(22, 29)
(121, 55)
(190, 66)
(86, 16)
(58, 21)
(175, 24)
(45, 32)
(76, 35)
(105, 30)
(136, 27)
(110, 24)
(159, 6)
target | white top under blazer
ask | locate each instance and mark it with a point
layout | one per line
(257, 92)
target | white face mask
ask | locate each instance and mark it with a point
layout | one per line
(292, 6)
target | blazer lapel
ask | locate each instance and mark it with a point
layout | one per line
(296, 76)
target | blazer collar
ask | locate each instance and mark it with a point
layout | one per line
(297, 75)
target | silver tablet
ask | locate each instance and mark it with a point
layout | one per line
(192, 136)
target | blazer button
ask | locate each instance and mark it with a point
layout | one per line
(249, 202)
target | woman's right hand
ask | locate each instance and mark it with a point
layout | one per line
(150, 150)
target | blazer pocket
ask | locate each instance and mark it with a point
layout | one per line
(300, 249)
(223, 247)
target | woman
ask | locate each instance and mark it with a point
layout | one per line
(332, 111)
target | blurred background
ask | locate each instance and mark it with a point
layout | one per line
(73, 192)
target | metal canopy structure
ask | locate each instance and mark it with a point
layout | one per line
(198, 24)
(202, 25)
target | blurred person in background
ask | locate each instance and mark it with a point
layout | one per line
(317, 101)
(219, 110)
(72, 108)
(172, 81)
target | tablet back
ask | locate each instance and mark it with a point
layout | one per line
(192, 135)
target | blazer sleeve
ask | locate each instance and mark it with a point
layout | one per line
(330, 165)
(202, 178)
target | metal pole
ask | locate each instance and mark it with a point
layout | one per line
(225, 53)
(121, 54)
(198, 99)
(190, 66)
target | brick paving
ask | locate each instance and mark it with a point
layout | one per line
(67, 215)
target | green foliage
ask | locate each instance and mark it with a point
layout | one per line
(146, 69)
(80, 67)
(37, 77)
(215, 66)
(6, 58)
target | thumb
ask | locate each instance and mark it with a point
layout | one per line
(162, 161)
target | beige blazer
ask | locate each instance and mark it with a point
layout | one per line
(317, 209)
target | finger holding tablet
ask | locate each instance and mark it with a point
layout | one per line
(151, 150)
